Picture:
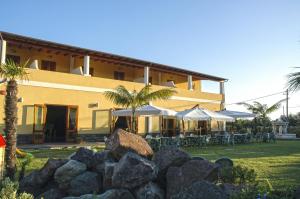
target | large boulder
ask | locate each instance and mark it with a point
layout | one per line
(51, 194)
(121, 142)
(85, 183)
(167, 157)
(64, 174)
(107, 175)
(84, 155)
(230, 189)
(38, 179)
(132, 171)
(200, 190)
(99, 160)
(150, 191)
(192, 171)
(224, 162)
(110, 194)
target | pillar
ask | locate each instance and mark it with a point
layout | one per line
(148, 120)
(190, 82)
(34, 64)
(2, 51)
(222, 92)
(86, 65)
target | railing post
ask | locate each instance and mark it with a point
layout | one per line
(86, 66)
(2, 51)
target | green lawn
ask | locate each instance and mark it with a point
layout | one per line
(276, 163)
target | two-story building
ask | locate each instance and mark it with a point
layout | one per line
(63, 95)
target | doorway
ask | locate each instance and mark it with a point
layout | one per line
(122, 123)
(55, 125)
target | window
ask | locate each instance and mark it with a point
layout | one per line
(119, 75)
(92, 71)
(48, 65)
(14, 58)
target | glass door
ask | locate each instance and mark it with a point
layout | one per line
(39, 119)
(72, 123)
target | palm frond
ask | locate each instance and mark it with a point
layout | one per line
(117, 98)
(12, 70)
(162, 94)
(275, 106)
(294, 81)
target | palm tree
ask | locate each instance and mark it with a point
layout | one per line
(294, 81)
(11, 71)
(262, 110)
(135, 99)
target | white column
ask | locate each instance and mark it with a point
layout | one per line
(86, 65)
(34, 64)
(148, 120)
(2, 51)
(190, 82)
(222, 92)
(146, 75)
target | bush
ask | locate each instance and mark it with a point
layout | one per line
(238, 175)
(9, 190)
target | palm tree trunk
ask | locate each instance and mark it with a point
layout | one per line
(11, 128)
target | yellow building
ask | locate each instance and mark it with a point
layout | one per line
(63, 96)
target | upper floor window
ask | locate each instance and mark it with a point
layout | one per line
(14, 58)
(48, 65)
(119, 75)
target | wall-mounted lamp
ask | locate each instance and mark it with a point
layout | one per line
(21, 99)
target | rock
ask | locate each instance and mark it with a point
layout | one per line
(84, 155)
(132, 171)
(297, 193)
(64, 174)
(51, 194)
(121, 142)
(192, 171)
(198, 158)
(230, 189)
(85, 183)
(200, 190)
(224, 162)
(150, 191)
(107, 175)
(167, 157)
(37, 179)
(116, 193)
(110, 194)
(99, 159)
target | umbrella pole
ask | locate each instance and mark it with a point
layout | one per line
(183, 127)
(162, 125)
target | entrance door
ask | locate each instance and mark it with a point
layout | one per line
(72, 123)
(39, 119)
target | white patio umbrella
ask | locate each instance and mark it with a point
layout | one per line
(146, 110)
(237, 114)
(200, 114)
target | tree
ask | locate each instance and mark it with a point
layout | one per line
(135, 99)
(262, 111)
(294, 81)
(11, 71)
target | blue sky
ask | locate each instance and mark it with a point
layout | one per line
(252, 43)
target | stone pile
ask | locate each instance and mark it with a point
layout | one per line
(128, 169)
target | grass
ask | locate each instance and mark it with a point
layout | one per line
(276, 164)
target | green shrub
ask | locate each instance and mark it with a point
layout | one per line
(238, 175)
(9, 190)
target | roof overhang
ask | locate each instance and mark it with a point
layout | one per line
(106, 57)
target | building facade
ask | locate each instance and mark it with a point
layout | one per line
(62, 99)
